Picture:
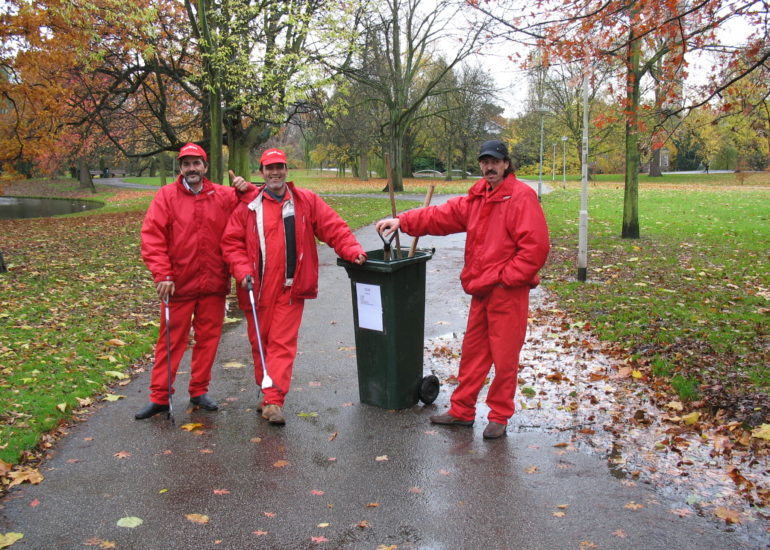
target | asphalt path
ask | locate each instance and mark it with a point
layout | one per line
(340, 474)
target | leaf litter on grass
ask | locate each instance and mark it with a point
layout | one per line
(589, 392)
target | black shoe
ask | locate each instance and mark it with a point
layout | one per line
(204, 402)
(151, 409)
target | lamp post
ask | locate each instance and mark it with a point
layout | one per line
(553, 164)
(542, 111)
(564, 161)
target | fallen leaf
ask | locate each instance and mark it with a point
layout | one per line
(316, 492)
(116, 374)
(532, 470)
(444, 472)
(562, 444)
(314, 384)
(681, 512)
(691, 418)
(319, 540)
(232, 365)
(7, 539)
(559, 514)
(675, 405)
(256, 440)
(761, 432)
(633, 506)
(190, 426)
(62, 407)
(221, 492)
(588, 544)
(95, 541)
(84, 402)
(415, 490)
(381, 458)
(259, 533)
(112, 397)
(122, 454)
(35, 503)
(389, 547)
(373, 505)
(730, 516)
(323, 525)
(307, 414)
(281, 463)
(269, 514)
(430, 432)
(363, 524)
(636, 374)
(562, 506)
(333, 436)
(22, 475)
(116, 342)
(5, 468)
(130, 521)
(197, 518)
(620, 534)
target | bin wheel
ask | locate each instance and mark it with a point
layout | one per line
(428, 389)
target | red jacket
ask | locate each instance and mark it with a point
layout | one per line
(507, 241)
(313, 218)
(181, 237)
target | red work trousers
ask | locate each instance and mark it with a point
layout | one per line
(206, 315)
(279, 319)
(497, 325)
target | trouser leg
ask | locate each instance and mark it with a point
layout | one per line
(180, 314)
(207, 322)
(507, 313)
(475, 362)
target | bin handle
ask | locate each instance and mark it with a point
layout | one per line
(386, 247)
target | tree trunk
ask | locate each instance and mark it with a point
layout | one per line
(631, 193)
(162, 168)
(86, 182)
(363, 167)
(396, 143)
(216, 160)
(655, 171)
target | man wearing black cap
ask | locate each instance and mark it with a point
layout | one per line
(505, 247)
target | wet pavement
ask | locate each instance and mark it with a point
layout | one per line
(340, 474)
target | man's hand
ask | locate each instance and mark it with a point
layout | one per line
(165, 290)
(360, 259)
(387, 226)
(240, 184)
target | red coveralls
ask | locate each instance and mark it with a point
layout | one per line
(506, 245)
(280, 305)
(181, 237)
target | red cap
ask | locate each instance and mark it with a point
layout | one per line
(193, 150)
(272, 156)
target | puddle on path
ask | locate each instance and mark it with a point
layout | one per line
(569, 385)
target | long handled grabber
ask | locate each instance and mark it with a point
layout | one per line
(267, 382)
(386, 247)
(426, 202)
(170, 414)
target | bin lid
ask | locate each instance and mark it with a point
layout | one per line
(376, 260)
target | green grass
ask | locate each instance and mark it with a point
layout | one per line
(78, 310)
(691, 297)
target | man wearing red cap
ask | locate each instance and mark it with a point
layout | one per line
(181, 247)
(272, 241)
(506, 245)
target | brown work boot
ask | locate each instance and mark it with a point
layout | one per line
(495, 430)
(273, 414)
(448, 419)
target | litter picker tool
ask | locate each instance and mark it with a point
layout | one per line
(428, 197)
(393, 210)
(386, 247)
(267, 382)
(170, 414)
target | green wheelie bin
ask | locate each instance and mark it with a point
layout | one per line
(389, 320)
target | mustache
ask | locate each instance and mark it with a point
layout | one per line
(491, 172)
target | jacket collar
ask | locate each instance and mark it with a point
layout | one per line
(207, 185)
(481, 188)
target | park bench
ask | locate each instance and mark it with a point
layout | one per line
(108, 173)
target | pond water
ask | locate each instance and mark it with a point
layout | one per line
(24, 207)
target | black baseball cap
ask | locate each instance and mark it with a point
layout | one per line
(493, 148)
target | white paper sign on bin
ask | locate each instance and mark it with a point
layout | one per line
(369, 300)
